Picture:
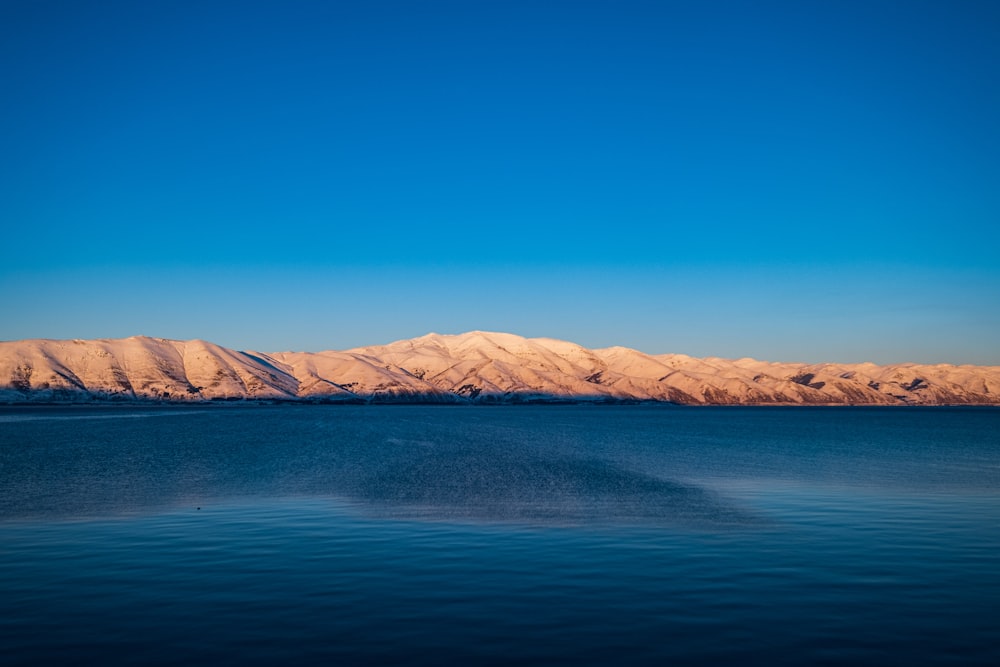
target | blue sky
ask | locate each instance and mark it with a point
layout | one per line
(785, 180)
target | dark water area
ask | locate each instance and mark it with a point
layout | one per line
(420, 535)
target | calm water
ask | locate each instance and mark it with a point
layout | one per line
(552, 535)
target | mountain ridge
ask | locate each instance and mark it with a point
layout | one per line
(473, 367)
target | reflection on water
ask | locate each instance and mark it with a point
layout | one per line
(38, 414)
(545, 535)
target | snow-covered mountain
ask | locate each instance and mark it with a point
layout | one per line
(480, 367)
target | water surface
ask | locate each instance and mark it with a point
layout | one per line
(546, 534)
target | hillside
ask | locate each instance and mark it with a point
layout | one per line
(477, 367)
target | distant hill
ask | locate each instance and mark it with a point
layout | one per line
(474, 367)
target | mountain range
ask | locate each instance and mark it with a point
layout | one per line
(474, 367)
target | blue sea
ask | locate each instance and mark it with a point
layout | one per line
(555, 535)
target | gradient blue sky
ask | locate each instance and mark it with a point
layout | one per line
(800, 181)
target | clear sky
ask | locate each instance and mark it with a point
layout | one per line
(799, 181)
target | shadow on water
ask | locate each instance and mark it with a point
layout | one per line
(471, 467)
(424, 482)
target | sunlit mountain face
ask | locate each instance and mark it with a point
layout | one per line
(474, 367)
